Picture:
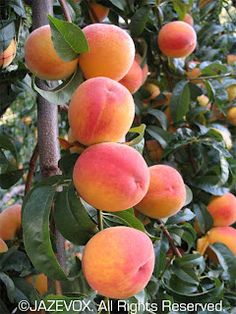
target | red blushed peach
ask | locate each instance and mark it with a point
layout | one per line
(98, 12)
(40, 283)
(111, 52)
(223, 210)
(166, 194)
(231, 59)
(118, 262)
(111, 176)
(3, 246)
(101, 110)
(10, 222)
(225, 235)
(177, 39)
(42, 59)
(7, 56)
(188, 19)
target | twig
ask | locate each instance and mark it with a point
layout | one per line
(170, 239)
(32, 165)
(65, 10)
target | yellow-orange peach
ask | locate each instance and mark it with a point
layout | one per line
(42, 59)
(118, 262)
(101, 110)
(3, 246)
(154, 150)
(231, 59)
(7, 56)
(225, 235)
(193, 71)
(10, 222)
(111, 176)
(153, 91)
(231, 90)
(223, 210)
(204, 101)
(166, 194)
(98, 12)
(133, 80)
(144, 66)
(188, 19)
(111, 52)
(177, 39)
(231, 115)
(40, 283)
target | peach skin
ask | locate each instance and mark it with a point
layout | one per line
(7, 56)
(10, 222)
(3, 246)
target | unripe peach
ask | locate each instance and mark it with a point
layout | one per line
(133, 80)
(203, 101)
(111, 176)
(42, 59)
(10, 222)
(40, 283)
(166, 194)
(231, 90)
(188, 19)
(231, 115)
(118, 262)
(7, 56)
(225, 235)
(111, 52)
(98, 12)
(223, 210)
(177, 39)
(101, 110)
(231, 59)
(3, 246)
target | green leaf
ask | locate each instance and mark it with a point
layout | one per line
(72, 219)
(160, 252)
(68, 39)
(9, 284)
(63, 92)
(36, 233)
(161, 117)
(159, 135)
(67, 163)
(138, 142)
(139, 20)
(183, 215)
(180, 101)
(8, 179)
(7, 143)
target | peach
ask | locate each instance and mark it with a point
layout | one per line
(231, 91)
(177, 39)
(40, 283)
(3, 246)
(101, 110)
(231, 115)
(166, 194)
(7, 56)
(98, 12)
(203, 3)
(193, 71)
(153, 91)
(111, 52)
(231, 59)
(42, 59)
(111, 176)
(118, 262)
(225, 235)
(10, 222)
(188, 19)
(133, 80)
(223, 210)
(143, 65)
(204, 101)
(154, 150)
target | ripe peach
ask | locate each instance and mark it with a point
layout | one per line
(133, 80)
(40, 283)
(231, 59)
(225, 235)
(223, 210)
(154, 150)
(144, 66)
(111, 52)
(177, 39)
(101, 110)
(188, 19)
(42, 59)
(3, 246)
(98, 12)
(231, 90)
(231, 115)
(118, 262)
(166, 194)
(10, 222)
(7, 56)
(111, 176)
